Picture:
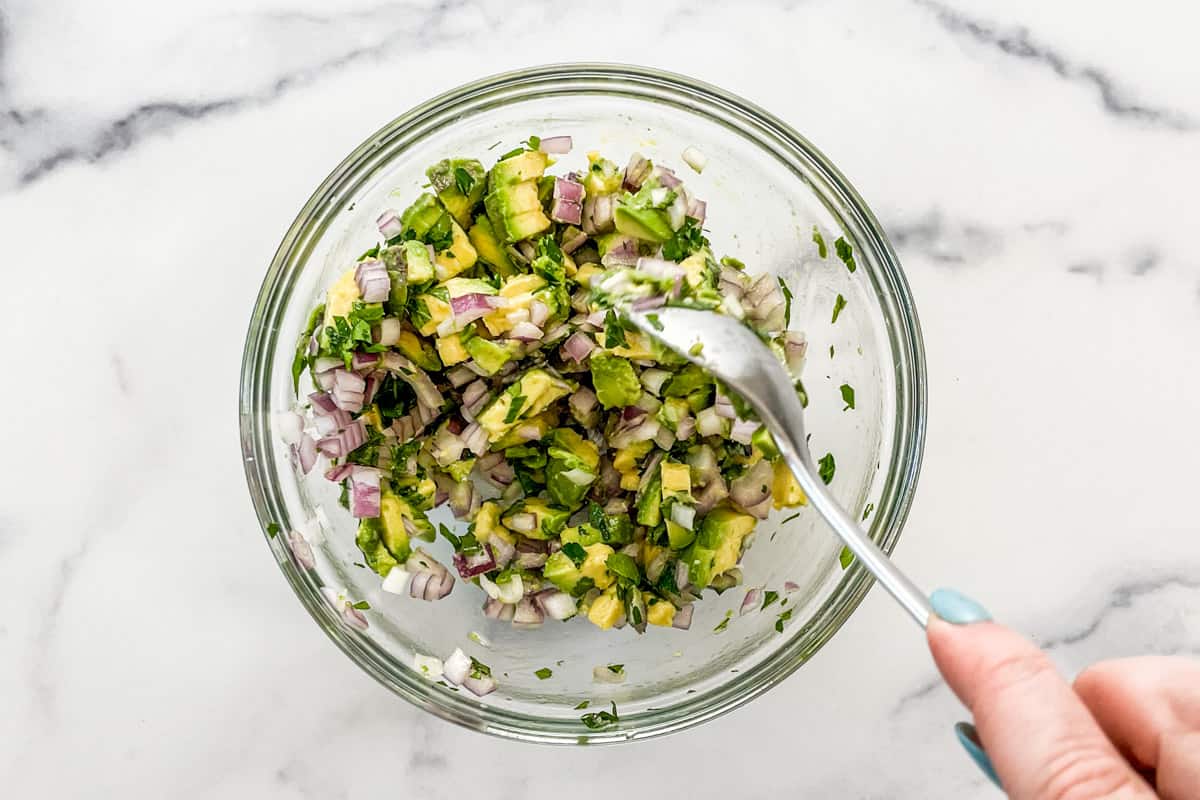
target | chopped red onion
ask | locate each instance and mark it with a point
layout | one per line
(387, 333)
(338, 472)
(695, 159)
(526, 332)
(524, 522)
(361, 361)
(750, 602)
(578, 347)
(566, 211)
(480, 686)
(557, 605)
(574, 243)
(476, 563)
(582, 401)
(666, 177)
(743, 430)
(724, 406)
(647, 303)
(354, 618)
(459, 376)
(306, 454)
(494, 609)
(712, 494)
(681, 574)
(389, 224)
(795, 347)
(531, 553)
(698, 210)
(598, 214)
(685, 427)
(790, 586)
(502, 550)
(636, 172)
(527, 614)
(538, 313)
(301, 550)
(364, 493)
(624, 254)
(322, 403)
(752, 491)
(556, 145)
(683, 617)
(653, 379)
(326, 364)
(457, 667)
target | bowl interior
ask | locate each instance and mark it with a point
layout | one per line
(764, 197)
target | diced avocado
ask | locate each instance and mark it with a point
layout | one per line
(459, 470)
(583, 535)
(562, 572)
(340, 297)
(676, 478)
(611, 241)
(418, 493)
(613, 528)
(449, 177)
(673, 410)
(548, 519)
(429, 309)
(393, 260)
(392, 511)
(452, 350)
(679, 536)
(615, 382)
(697, 270)
(370, 542)
(639, 347)
(572, 468)
(518, 292)
(762, 439)
(595, 565)
(648, 224)
(490, 355)
(489, 248)
(525, 166)
(606, 610)
(718, 544)
(423, 216)
(458, 287)
(516, 212)
(418, 351)
(785, 491)
(536, 390)
(658, 611)
(460, 256)
(603, 176)
(688, 380)
(627, 458)
(649, 502)
(586, 272)
(530, 430)
(418, 267)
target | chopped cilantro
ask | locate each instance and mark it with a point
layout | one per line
(362, 605)
(822, 250)
(516, 151)
(353, 332)
(730, 261)
(696, 349)
(575, 552)
(769, 597)
(685, 241)
(301, 358)
(789, 519)
(463, 180)
(867, 511)
(624, 566)
(616, 669)
(784, 617)
(846, 253)
(723, 624)
(654, 323)
(846, 557)
(826, 467)
(479, 669)
(582, 705)
(614, 330)
(514, 410)
(533, 142)
(598, 720)
(543, 673)
(838, 305)
(344, 497)
(787, 303)
(847, 396)
(273, 529)
(831, 351)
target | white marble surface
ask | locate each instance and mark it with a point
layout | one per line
(1034, 163)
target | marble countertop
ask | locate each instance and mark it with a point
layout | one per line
(1035, 165)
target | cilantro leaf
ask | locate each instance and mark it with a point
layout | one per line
(616, 669)
(826, 467)
(614, 331)
(516, 151)
(301, 358)
(543, 673)
(533, 142)
(867, 511)
(582, 705)
(838, 305)
(787, 303)
(723, 624)
(273, 529)
(847, 396)
(822, 250)
(575, 552)
(598, 720)
(624, 566)
(784, 617)
(685, 241)
(463, 180)
(479, 669)
(362, 605)
(769, 597)
(846, 557)
(846, 253)
(654, 322)
(514, 409)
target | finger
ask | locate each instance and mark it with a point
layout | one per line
(1041, 738)
(1150, 709)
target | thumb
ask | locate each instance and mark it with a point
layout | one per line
(1043, 742)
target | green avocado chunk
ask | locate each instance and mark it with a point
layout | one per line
(616, 383)
(449, 177)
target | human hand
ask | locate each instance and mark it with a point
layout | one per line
(1128, 728)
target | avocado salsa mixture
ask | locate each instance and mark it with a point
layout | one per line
(474, 358)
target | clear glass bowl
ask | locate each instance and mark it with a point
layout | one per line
(766, 188)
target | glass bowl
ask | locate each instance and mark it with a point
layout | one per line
(766, 188)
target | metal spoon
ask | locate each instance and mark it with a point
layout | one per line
(733, 353)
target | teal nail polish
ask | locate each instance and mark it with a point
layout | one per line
(970, 741)
(957, 608)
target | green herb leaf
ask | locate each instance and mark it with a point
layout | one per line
(846, 557)
(730, 261)
(362, 605)
(514, 410)
(847, 396)
(616, 669)
(723, 624)
(822, 250)
(784, 617)
(575, 552)
(654, 323)
(583, 705)
(867, 511)
(533, 142)
(479, 669)
(600, 719)
(301, 358)
(543, 673)
(516, 151)
(696, 349)
(448, 535)
(273, 529)
(769, 597)
(838, 305)
(787, 302)
(685, 241)
(846, 253)
(624, 566)
(614, 330)
(463, 180)
(831, 351)
(789, 519)
(826, 467)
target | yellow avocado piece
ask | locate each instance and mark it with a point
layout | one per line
(518, 291)
(694, 267)
(735, 527)
(658, 611)
(439, 311)
(605, 610)
(487, 523)
(459, 257)
(451, 349)
(341, 296)
(538, 387)
(627, 457)
(585, 274)
(372, 418)
(785, 491)
(594, 565)
(675, 478)
(541, 424)
(639, 347)
(630, 481)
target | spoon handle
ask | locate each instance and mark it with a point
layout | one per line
(864, 549)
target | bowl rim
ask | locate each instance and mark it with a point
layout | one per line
(904, 337)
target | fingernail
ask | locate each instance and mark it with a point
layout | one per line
(969, 738)
(957, 608)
